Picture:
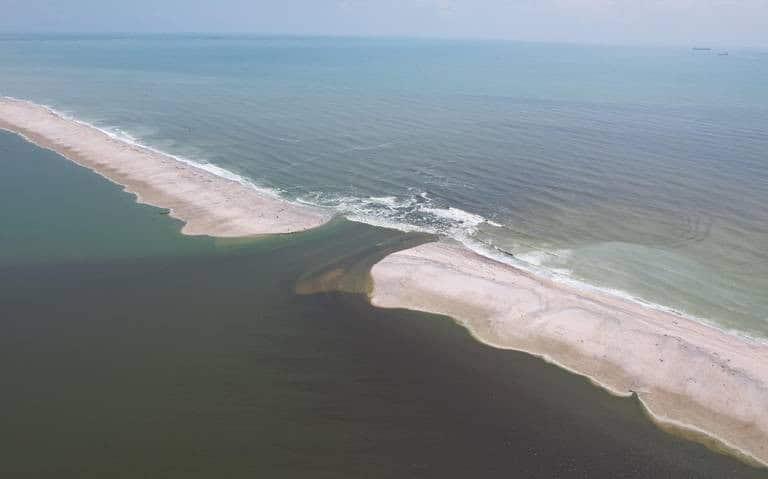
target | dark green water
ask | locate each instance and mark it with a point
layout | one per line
(128, 350)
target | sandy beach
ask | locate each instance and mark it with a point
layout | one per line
(706, 383)
(207, 203)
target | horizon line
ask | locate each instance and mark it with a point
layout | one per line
(714, 45)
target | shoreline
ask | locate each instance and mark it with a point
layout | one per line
(208, 204)
(707, 384)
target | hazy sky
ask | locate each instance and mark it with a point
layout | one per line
(729, 22)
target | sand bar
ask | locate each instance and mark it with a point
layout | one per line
(690, 376)
(207, 203)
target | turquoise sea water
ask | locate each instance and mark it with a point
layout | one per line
(643, 170)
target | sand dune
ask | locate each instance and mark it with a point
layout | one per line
(207, 203)
(694, 377)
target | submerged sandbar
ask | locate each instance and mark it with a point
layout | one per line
(689, 375)
(207, 203)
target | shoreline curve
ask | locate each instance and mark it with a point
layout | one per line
(207, 203)
(705, 383)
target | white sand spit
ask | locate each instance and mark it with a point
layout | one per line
(689, 375)
(207, 203)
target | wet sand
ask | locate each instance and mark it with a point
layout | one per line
(706, 383)
(207, 203)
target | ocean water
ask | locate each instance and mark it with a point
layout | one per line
(640, 170)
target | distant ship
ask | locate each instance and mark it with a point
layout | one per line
(702, 48)
(722, 54)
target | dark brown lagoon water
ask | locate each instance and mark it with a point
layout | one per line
(128, 350)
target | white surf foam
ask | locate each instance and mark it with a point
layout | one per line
(382, 211)
(456, 215)
(415, 212)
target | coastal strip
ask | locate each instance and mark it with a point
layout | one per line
(691, 377)
(207, 203)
